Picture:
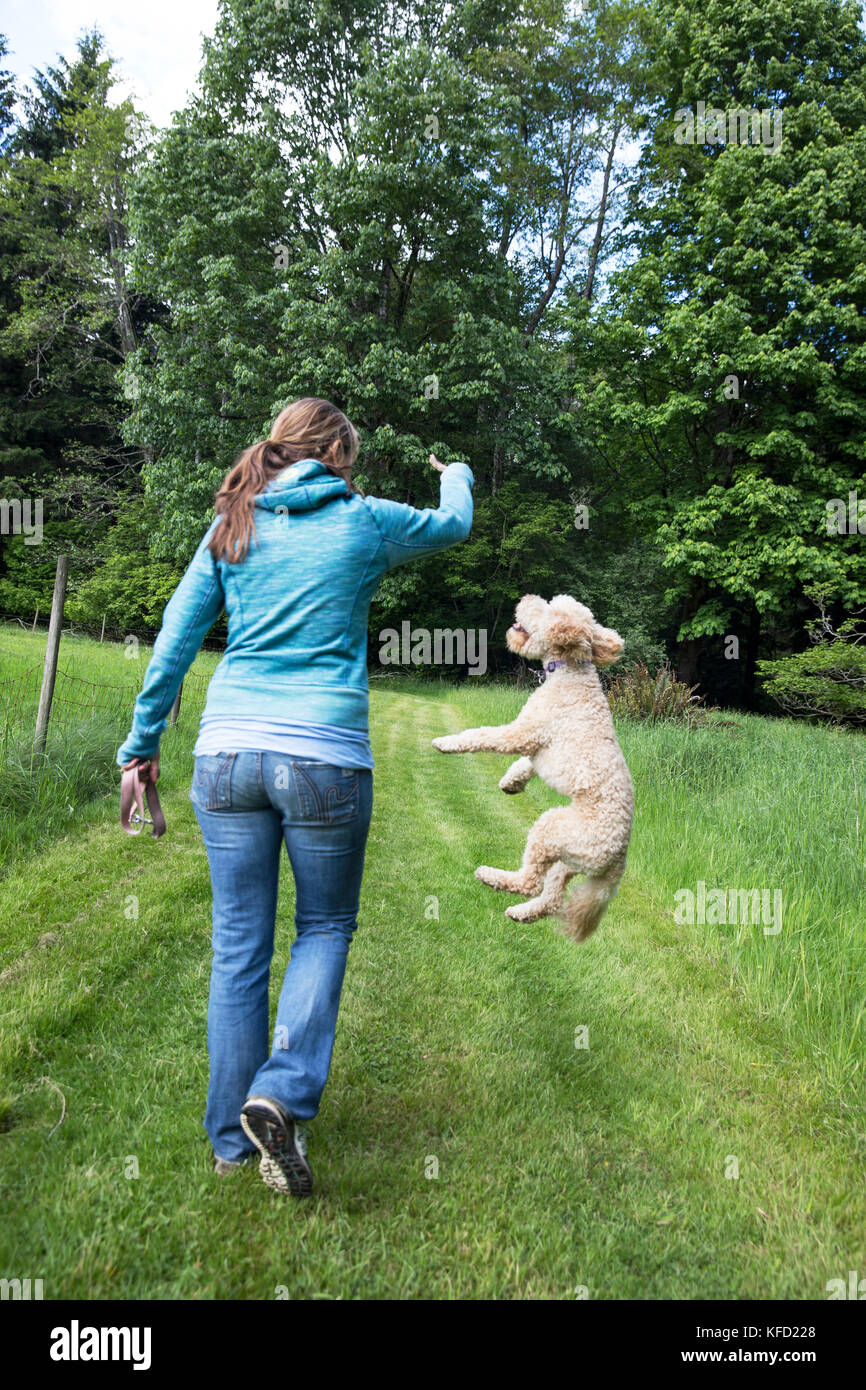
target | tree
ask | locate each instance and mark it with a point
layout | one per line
(67, 319)
(383, 204)
(8, 97)
(726, 373)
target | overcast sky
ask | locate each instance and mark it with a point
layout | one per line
(156, 44)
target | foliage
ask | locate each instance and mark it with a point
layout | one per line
(433, 222)
(66, 319)
(130, 588)
(636, 694)
(828, 679)
(725, 377)
(392, 235)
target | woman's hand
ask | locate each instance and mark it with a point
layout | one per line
(153, 761)
(434, 463)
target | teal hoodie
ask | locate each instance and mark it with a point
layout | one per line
(297, 604)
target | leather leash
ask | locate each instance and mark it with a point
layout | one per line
(135, 784)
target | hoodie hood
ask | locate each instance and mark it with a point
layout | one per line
(302, 487)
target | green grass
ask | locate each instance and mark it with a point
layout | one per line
(96, 685)
(558, 1167)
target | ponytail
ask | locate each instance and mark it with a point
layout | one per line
(306, 429)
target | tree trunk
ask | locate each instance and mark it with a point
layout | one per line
(753, 640)
(595, 249)
(690, 648)
(117, 243)
(498, 451)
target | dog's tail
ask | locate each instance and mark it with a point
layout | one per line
(582, 912)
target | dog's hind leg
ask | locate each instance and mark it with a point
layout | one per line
(549, 899)
(541, 852)
(506, 880)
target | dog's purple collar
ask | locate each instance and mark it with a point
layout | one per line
(551, 666)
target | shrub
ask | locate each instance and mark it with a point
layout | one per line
(638, 695)
(828, 680)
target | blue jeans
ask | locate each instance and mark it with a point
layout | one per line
(246, 804)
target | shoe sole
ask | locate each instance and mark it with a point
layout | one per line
(282, 1165)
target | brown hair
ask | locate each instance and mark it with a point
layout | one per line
(308, 428)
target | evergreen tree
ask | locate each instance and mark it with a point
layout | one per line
(67, 320)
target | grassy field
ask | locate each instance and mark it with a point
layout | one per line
(712, 1050)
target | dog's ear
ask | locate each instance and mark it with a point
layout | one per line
(607, 645)
(567, 626)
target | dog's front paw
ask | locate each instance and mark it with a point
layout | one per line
(448, 743)
(511, 787)
(517, 776)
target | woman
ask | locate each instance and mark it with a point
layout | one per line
(294, 555)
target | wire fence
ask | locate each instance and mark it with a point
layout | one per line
(103, 632)
(78, 701)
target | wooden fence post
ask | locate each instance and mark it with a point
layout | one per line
(35, 617)
(102, 633)
(52, 649)
(175, 709)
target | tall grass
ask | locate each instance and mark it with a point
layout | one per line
(772, 804)
(41, 794)
(635, 694)
(746, 803)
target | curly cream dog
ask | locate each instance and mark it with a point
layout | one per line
(565, 735)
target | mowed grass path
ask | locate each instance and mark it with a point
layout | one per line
(559, 1167)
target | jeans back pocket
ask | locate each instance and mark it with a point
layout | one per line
(326, 795)
(212, 781)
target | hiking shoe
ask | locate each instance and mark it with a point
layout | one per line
(280, 1141)
(223, 1166)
